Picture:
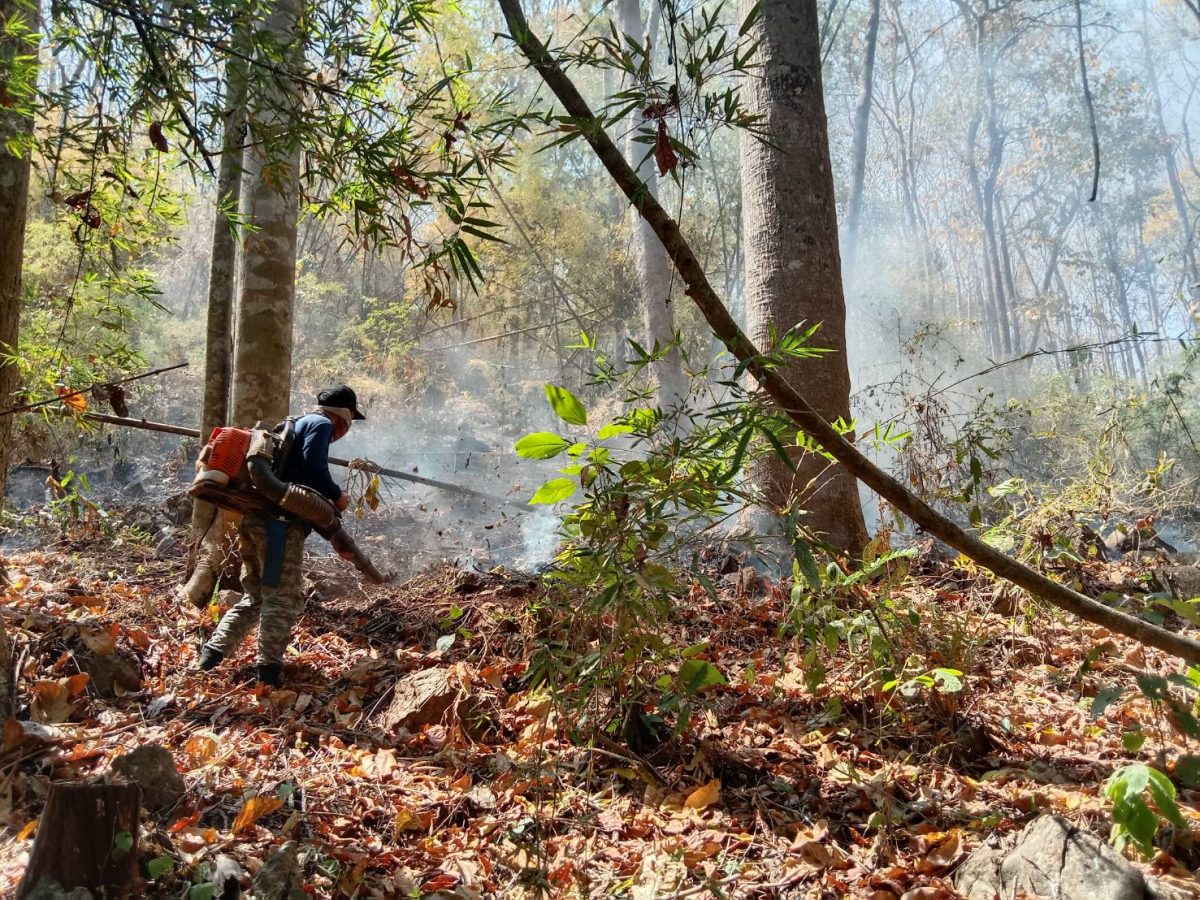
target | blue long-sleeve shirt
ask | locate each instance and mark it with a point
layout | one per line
(308, 463)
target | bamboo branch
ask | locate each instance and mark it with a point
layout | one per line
(39, 403)
(789, 400)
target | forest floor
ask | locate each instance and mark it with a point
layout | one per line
(778, 790)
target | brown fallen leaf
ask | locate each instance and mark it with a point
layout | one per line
(254, 809)
(704, 796)
(944, 854)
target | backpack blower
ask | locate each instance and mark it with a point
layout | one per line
(238, 470)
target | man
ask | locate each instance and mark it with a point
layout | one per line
(276, 608)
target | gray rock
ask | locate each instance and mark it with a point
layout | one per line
(1051, 858)
(52, 890)
(152, 768)
(419, 699)
(280, 877)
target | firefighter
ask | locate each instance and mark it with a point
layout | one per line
(275, 607)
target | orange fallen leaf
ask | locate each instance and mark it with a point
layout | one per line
(254, 809)
(461, 784)
(28, 830)
(944, 854)
(76, 684)
(704, 796)
(200, 748)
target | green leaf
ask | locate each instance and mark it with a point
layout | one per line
(949, 681)
(122, 844)
(1163, 793)
(697, 674)
(1187, 770)
(541, 445)
(1133, 741)
(159, 866)
(612, 429)
(807, 564)
(565, 405)
(1105, 697)
(204, 891)
(553, 491)
(445, 642)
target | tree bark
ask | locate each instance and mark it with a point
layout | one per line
(87, 838)
(789, 399)
(15, 127)
(858, 149)
(650, 259)
(222, 285)
(263, 370)
(792, 264)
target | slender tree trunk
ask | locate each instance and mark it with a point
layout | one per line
(655, 276)
(858, 149)
(15, 129)
(222, 275)
(792, 264)
(264, 337)
(1187, 232)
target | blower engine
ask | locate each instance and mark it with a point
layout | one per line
(238, 470)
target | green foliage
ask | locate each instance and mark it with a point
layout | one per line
(1133, 818)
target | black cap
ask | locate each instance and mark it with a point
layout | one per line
(342, 397)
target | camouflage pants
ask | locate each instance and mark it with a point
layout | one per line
(275, 609)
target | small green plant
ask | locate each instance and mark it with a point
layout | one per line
(1133, 818)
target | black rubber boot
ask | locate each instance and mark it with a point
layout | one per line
(270, 673)
(210, 657)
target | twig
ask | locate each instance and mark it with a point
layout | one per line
(136, 16)
(29, 406)
(1087, 99)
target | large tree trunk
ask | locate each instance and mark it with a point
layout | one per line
(15, 128)
(858, 149)
(264, 334)
(655, 276)
(792, 266)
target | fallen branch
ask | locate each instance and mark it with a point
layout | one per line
(788, 399)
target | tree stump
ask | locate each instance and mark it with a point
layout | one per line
(87, 837)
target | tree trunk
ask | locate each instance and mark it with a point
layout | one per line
(264, 335)
(87, 838)
(222, 276)
(858, 150)
(792, 265)
(654, 273)
(15, 128)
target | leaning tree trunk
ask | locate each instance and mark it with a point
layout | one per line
(792, 267)
(264, 334)
(858, 149)
(789, 400)
(654, 273)
(16, 127)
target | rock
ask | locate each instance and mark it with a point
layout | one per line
(1183, 582)
(152, 767)
(52, 890)
(419, 699)
(1051, 858)
(280, 877)
(108, 671)
(225, 875)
